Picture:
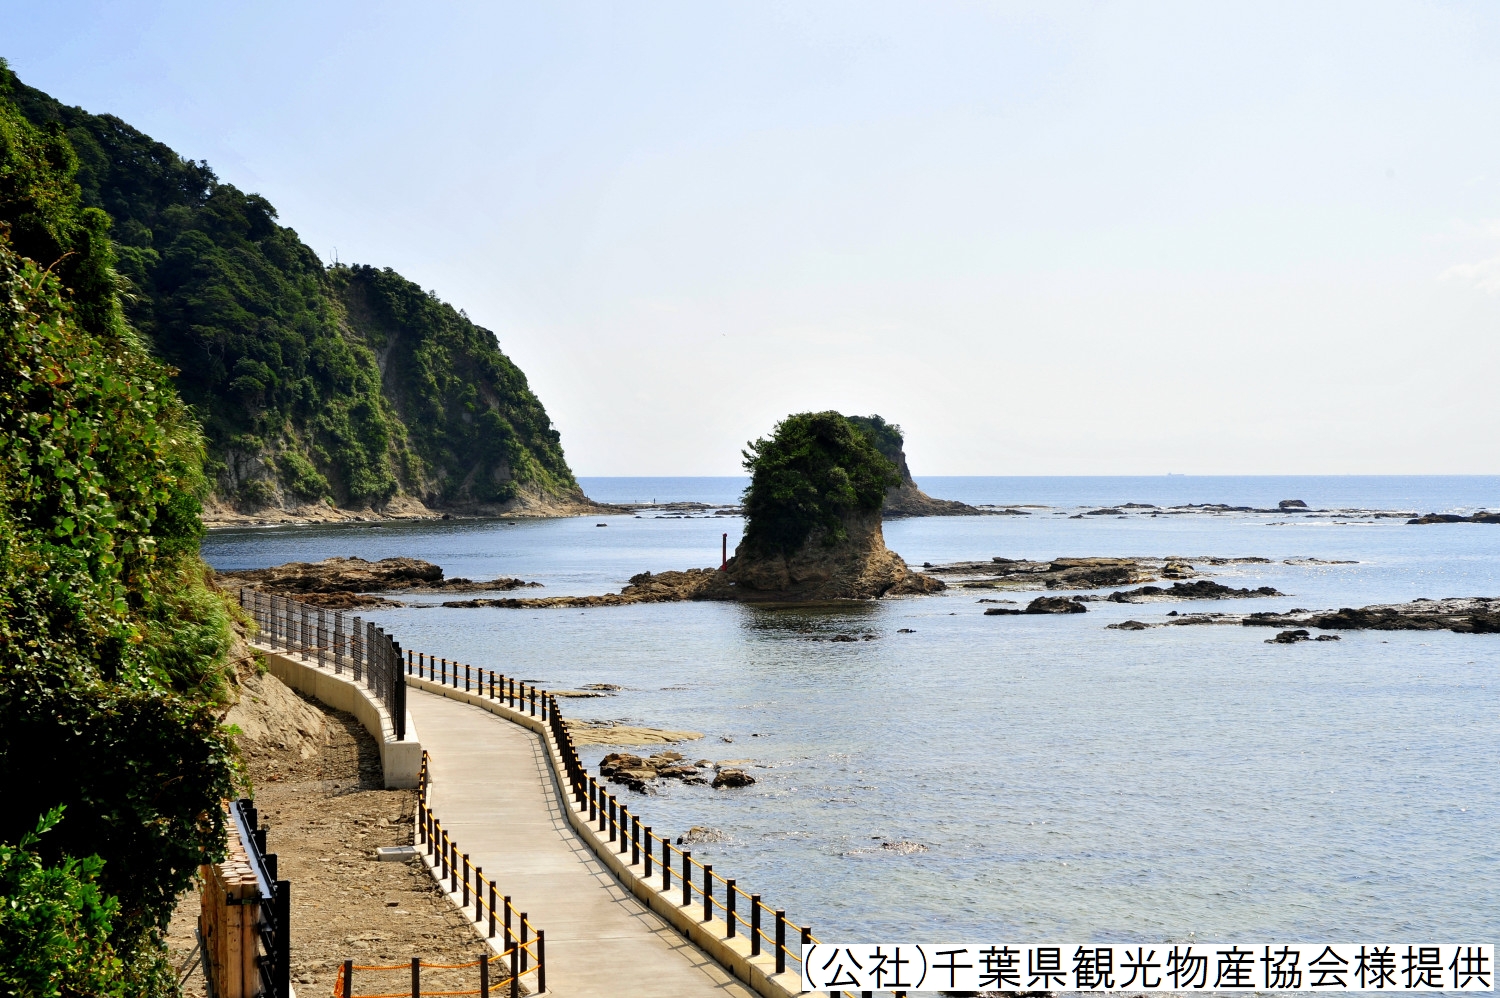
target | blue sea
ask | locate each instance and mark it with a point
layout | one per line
(1051, 778)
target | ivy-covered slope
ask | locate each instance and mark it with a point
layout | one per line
(345, 386)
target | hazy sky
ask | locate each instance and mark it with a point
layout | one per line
(1093, 238)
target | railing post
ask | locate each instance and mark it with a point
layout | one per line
(509, 935)
(525, 955)
(533, 701)
(348, 979)
(466, 678)
(755, 925)
(780, 940)
(592, 816)
(708, 892)
(541, 961)
(611, 823)
(648, 850)
(283, 953)
(416, 977)
(484, 975)
(687, 877)
(515, 971)
(666, 865)
(729, 893)
(624, 829)
(635, 840)
(492, 909)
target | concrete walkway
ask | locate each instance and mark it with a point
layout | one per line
(495, 794)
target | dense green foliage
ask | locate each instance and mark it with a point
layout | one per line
(467, 410)
(311, 383)
(815, 470)
(885, 436)
(112, 648)
(54, 937)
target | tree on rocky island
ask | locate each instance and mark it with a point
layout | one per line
(812, 518)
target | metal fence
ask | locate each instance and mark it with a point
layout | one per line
(524, 945)
(744, 914)
(334, 642)
(274, 930)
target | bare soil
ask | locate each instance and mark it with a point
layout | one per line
(318, 786)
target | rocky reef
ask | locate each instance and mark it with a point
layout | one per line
(639, 772)
(1465, 615)
(1480, 517)
(345, 583)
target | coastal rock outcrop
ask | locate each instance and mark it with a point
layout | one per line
(637, 772)
(1480, 517)
(905, 498)
(1202, 589)
(1465, 615)
(344, 583)
(858, 567)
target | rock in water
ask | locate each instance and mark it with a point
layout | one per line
(858, 567)
(732, 778)
(812, 519)
(1055, 604)
(1292, 504)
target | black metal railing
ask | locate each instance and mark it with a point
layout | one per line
(768, 929)
(524, 946)
(335, 642)
(273, 931)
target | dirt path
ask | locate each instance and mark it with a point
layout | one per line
(321, 798)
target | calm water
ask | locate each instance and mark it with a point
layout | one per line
(1067, 781)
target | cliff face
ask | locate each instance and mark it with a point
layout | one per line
(905, 498)
(320, 390)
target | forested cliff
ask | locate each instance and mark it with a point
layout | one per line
(317, 387)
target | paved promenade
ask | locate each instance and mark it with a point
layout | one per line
(494, 792)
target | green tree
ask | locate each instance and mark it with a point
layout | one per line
(112, 647)
(810, 475)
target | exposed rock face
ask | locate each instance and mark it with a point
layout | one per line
(859, 567)
(906, 499)
(339, 583)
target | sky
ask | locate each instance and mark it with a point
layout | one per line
(1052, 238)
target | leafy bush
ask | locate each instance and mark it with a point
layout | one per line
(55, 926)
(811, 474)
(112, 648)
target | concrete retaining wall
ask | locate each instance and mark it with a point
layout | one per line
(732, 954)
(400, 762)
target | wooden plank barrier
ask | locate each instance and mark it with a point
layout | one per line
(230, 916)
